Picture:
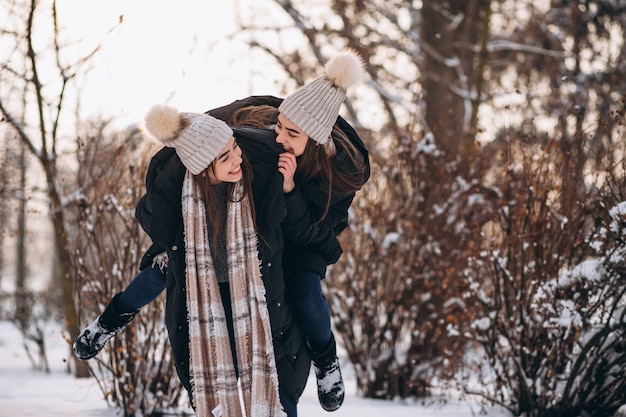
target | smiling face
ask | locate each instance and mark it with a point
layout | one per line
(287, 134)
(227, 166)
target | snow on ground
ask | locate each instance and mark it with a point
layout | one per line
(25, 392)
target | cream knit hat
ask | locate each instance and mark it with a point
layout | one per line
(197, 138)
(315, 106)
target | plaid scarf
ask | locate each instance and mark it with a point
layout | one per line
(212, 371)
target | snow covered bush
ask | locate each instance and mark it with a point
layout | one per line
(397, 289)
(135, 370)
(551, 287)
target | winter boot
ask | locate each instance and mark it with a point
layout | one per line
(91, 341)
(330, 389)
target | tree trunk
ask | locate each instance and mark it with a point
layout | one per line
(452, 73)
(65, 274)
(4, 200)
(20, 275)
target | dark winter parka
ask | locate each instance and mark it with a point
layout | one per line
(317, 245)
(160, 214)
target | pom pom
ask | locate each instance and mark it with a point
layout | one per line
(163, 123)
(345, 69)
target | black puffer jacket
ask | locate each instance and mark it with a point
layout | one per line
(317, 244)
(160, 214)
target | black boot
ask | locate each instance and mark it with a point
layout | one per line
(330, 389)
(91, 341)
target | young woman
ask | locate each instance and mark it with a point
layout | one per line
(324, 163)
(226, 314)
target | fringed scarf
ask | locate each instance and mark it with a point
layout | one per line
(212, 371)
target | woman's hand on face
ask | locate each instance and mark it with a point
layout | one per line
(287, 167)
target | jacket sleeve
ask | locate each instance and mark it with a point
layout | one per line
(302, 225)
(159, 211)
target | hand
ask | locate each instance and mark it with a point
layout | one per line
(287, 167)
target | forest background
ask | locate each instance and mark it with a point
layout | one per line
(488, 245)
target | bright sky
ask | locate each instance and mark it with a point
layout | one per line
(174, 52)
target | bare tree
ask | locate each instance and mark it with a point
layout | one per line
(5, 196)
(39, 76)
(565, 62)
(20, 258)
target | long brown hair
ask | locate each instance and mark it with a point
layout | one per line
(210, 200)
(314, 160)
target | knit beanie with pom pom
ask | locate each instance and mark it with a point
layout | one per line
(197, 138)
(314, 107)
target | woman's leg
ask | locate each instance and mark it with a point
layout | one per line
(142, 290)
(313, 313)
(311, 308)
(122, 308)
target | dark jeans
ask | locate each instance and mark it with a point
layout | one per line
(142, 290)
(305, 291)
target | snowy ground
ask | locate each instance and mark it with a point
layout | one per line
(25, 392)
